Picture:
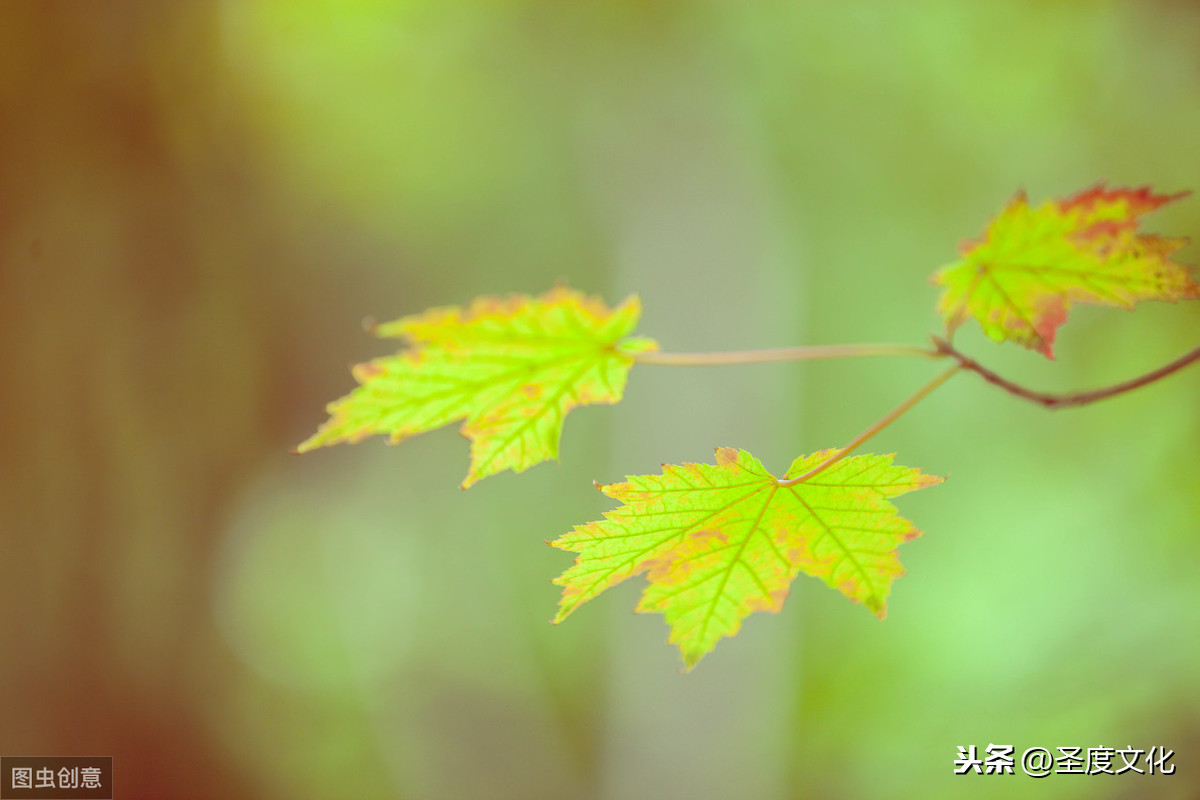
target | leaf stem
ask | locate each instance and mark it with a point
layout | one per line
(807, 353)
(1066, 400)
(883, 422)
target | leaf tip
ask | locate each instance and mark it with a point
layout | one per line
(926, 479)
(311, 443)
(366, 371)
(690, 659)
(725, 455)
(630, 346)
(632, 302)
(563, 612)
(1052, 315)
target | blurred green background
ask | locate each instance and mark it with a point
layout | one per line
(200, 202)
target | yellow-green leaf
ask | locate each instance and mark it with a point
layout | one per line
(511, 367)
(1019, 280)
(720, 541)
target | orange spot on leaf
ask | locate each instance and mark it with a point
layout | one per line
(702, 536)
(365, 372)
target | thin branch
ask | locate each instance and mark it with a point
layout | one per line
(782, 354)
(886, 420)
(1070, 399)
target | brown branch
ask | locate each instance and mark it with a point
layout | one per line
(1069, 399)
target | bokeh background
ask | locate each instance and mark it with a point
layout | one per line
(200, 202)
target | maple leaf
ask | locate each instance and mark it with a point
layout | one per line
(511, 367)
(1020, 279)
(718, 542)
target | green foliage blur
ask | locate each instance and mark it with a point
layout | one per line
(201, 201)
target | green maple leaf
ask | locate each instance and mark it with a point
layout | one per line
(718, 542)
(1020, 279)
(511, 367)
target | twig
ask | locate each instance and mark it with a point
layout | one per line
(886, 420)
(1069, 399)
(781, 354)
